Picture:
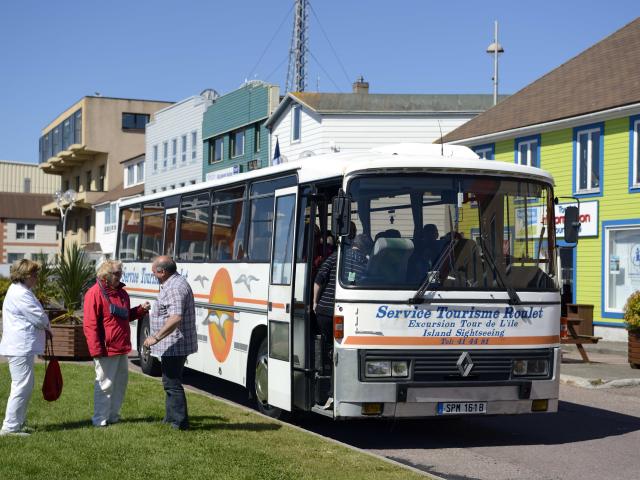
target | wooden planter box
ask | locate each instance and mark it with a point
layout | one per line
(634, 349)
(69, 342)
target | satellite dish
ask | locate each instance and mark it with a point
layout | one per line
(209, 94)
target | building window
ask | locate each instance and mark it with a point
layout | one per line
(165, 153)
(486, 152)
(77, 120)
(134, 121)
(295, 123)
(155, 158)
(110, 218)
(25, 231)
(134, 173)
(87, 182)
(174, 150)
(26, 185)
(66, 185)
(87, 228)
(256, 139)
(216, 150)
(14, 257)
(101, 177)
(621, 264)
(77, 185)
(528, 151)
(184, 148)
(194, 144)
(252, 165)
(635, 154)
(588, 154)
(237, 143)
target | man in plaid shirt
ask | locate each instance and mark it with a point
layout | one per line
(173, 321)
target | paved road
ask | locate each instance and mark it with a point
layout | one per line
(595, 435)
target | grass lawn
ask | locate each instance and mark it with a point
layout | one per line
(224, 442)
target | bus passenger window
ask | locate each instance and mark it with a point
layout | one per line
(129, 233)
(194, 226)
(227, 225)
(152, 230)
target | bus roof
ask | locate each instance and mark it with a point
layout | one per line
(390, 158)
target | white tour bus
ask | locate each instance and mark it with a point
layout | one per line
(451, 306)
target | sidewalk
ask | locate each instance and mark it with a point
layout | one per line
(608, 367)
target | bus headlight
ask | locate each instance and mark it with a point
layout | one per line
(378, 368)
(385, 368)
(537, 367)
(400, 369)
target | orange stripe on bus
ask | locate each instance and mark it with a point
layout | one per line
(369, 340)
(147, 290)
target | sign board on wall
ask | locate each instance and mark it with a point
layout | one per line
(529, 220)
(223, 172)
(588, 218)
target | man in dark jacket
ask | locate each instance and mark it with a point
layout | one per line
(107, 314)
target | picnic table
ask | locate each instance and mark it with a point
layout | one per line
(574, 338)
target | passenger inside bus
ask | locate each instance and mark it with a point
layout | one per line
(427, 248)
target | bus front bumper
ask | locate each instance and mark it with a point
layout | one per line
(356, 399)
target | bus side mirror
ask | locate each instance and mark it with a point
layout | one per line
(340, 215)
(571, 224)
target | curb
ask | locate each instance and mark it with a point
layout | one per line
(599, 383)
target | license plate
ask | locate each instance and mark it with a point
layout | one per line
(461, 408)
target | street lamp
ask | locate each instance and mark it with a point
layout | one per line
(495, 49)
(64, 201)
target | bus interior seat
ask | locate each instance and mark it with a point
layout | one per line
(389, 258)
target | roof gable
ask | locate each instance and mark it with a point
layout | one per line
(602, 77)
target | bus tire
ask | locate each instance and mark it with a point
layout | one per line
(150, 365)
(260, 386)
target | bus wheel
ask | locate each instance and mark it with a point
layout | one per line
(261, 383)
(150, 365)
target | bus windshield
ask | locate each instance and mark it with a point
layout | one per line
(449, 232)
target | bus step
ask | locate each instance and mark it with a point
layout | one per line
(318, 409)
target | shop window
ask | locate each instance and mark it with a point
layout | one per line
(621, 264)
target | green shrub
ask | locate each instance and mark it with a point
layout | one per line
(632, 312)
(74, 275)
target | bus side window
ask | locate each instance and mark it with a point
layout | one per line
(227, 225)
(152, 230)
(129, 232)
(194, 227)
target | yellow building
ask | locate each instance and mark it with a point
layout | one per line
(581, 122)
(86, 145)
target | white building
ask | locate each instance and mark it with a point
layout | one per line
(174, 144)
(310, 123)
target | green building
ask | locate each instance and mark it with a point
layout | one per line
(581, 123)
(234, 137)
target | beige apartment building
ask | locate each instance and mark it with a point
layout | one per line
(85, 146)
(22, 177)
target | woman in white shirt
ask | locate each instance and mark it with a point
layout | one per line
(24, 327)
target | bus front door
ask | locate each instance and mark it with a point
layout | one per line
(279, 310)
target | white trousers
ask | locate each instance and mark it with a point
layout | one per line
(21, 369)
(112, 375)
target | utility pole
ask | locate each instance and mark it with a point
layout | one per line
(495, 49)
(297, 70)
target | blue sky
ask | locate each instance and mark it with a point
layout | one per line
(54, 53)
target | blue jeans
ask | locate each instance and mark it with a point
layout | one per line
(175, 401)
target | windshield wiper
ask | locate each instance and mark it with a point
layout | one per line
(433, 275)
(514, 299)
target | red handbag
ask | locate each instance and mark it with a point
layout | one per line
(52, 385)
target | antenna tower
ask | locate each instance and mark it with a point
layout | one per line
(297, 70)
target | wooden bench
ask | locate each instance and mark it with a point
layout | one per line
(576, 339)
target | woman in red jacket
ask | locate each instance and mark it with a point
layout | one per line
(107, 314)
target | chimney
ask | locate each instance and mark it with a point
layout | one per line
(360, 86)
